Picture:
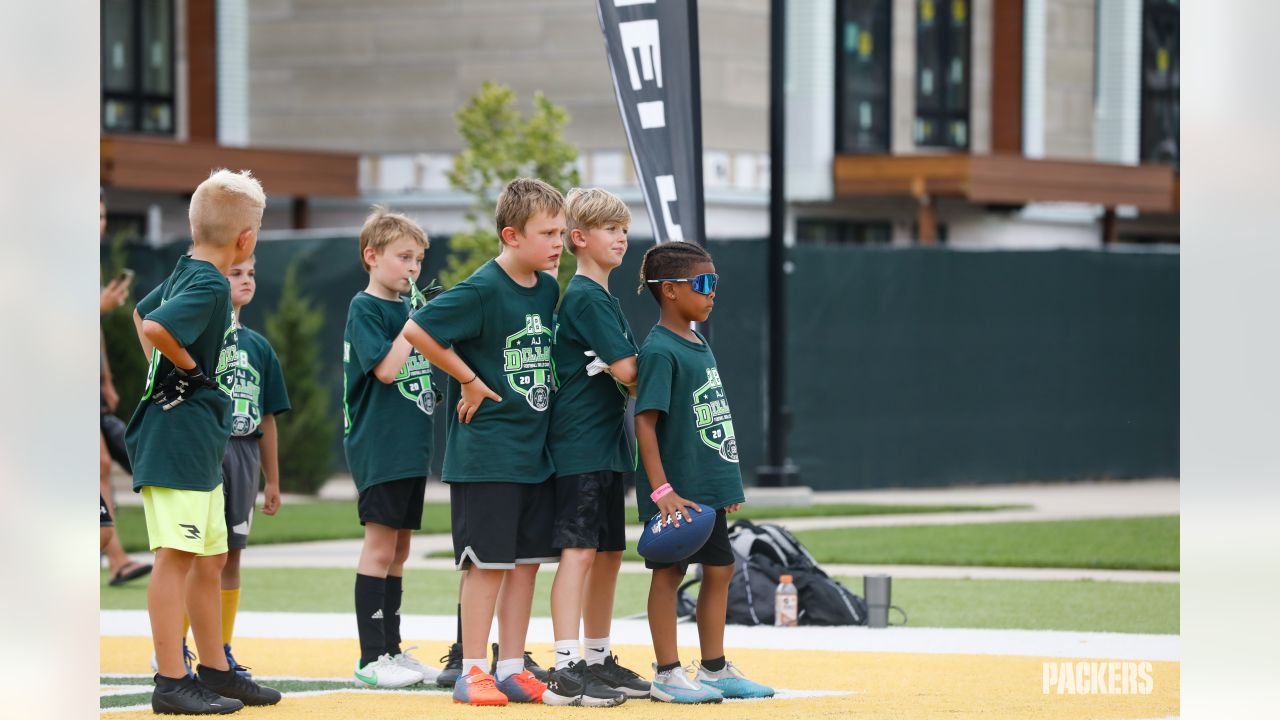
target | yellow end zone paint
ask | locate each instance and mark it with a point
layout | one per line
(885, 685)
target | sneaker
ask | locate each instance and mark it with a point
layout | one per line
(452, 666)
(620, 678)
(385, 673)
(241, 670)
(188, 697)
(188, 658)
(405, 660)
(522, 687)
(731, 682)
(229, 683)
(674, 686)
(530, 664)
(477, 688)
(576, 685)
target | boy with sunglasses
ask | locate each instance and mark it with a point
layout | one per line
(687, 447)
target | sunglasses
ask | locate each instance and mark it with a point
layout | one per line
(703, 284)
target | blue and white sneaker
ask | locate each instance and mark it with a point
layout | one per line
(731, 682)
(674, 686)
(241, 670)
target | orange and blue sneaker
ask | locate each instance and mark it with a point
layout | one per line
(477, 687)
(523, 687)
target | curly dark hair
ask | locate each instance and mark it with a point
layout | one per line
(670, 259)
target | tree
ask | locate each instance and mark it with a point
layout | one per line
(305, 432)
(500, 144)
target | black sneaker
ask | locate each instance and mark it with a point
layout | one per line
(229, 683)
(529, 664)
(186, 696)
(576, 685)
(620, 678)
(452, 661)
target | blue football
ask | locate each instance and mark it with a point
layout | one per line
(663, 542)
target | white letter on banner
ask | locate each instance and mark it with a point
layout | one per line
(642, 35)
(667, 195)
(653, 114)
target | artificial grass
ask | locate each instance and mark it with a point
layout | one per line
(338, 520)
(1023, 604)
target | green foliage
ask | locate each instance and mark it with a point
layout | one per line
(124, 354)
(306, 431)
(500, 144)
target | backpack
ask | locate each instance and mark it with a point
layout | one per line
(763, 554)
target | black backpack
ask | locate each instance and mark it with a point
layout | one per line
(764, 553)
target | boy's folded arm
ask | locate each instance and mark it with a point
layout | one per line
(161, 339)
(445, 358)
(388, 368)
(624, 370)
(147, 347)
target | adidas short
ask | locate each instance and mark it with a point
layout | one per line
(591, 511)
(498, 525)
(188, 520)
(395, 503)
(241, 469)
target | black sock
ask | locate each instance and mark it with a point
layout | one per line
(391, 614)
(459, 623)
(370, 593)
(672, 666)
(714, 665)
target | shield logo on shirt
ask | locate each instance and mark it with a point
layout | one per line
(713, 419)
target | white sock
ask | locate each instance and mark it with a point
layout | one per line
(482, 663)
(507, 668)
(595, 650)
(566, 653)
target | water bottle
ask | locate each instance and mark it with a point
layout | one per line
(786, 610)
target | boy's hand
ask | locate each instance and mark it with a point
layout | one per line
(474, 393)
(733, 508)
(113, 295)
(596, 366)
(271, 499)
(671, 506)
(179, 385)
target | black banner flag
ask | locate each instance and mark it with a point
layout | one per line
(652, 47)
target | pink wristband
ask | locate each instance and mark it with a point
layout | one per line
(664, 489)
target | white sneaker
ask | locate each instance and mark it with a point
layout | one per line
(674, 686)
(405, 660)
(386, 673)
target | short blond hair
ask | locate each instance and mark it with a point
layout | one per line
(384, 227)
(592, 208)
(523, 198)
(225, 205)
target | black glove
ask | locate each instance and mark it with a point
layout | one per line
(178, 385)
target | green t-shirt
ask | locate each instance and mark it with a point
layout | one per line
(502, 330)
(386, 426)
(679, 379)
(587, 413)
(256, 384)
(182, 448)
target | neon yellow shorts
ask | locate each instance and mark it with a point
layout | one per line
(188, 520)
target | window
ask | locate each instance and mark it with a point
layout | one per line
(862, 76)
(137, 66)
(1160, 81)
(843, 232)
(942, 73)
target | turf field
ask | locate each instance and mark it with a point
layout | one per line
(336, 520)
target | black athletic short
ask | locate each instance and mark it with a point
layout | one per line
(591, 511)
(104, 515)
(715, 551)
(498, 525)
(396, 503)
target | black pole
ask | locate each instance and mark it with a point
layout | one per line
(779, 471)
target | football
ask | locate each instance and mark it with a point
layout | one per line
(664, 542)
